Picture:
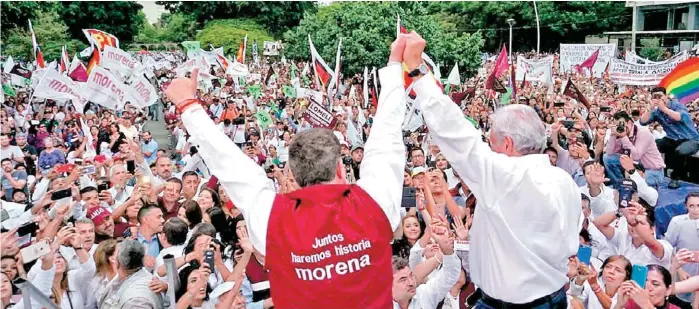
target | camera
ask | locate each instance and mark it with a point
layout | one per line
(346, 160)
(621, 127)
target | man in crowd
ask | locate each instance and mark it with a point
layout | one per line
(130, 288)
(12, 179)
(9, 151)
(149, 147)
(682, 140)
(637, 142)
(150, 219)
(682, 233)
(523, 201)
(314, 160)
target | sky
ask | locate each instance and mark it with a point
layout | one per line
(152, 10)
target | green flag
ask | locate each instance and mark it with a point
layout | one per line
(273, 109)
(255, 91)
(293, 71)
(264, 118)
(191, 45)
(8, 90)
(505, 98)
(289, 92)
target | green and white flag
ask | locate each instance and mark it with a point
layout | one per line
(505, 97)
(8, 90)
(289, 92)
(255, 91)
(264, 118)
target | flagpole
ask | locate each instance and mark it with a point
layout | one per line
(538, 30)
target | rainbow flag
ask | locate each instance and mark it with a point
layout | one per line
(683, 81)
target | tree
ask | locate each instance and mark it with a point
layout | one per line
(51, 34)
(560, 21)
(119, 18)
(275, 16)
(229, 33)
(170, 28)
(15, 14)
(367, 30)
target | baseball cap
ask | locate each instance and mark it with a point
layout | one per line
(20, 134)
(98, 215)
(417, 171)
(357, 147)
(344, 143)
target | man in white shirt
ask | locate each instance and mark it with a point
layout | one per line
(9, 151)
(173, 240)
(119, 191)
(529, 212)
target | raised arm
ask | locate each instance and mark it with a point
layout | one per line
(384, 161)
(245, 182)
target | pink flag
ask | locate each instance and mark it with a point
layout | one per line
(589, 63)
(78, 72)
(500, 67)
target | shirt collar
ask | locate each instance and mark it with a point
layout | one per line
(141, 238)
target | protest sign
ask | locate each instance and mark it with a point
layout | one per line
(238, 69)
(255, 91)
(118, 60)
(289, 91)
(535, 70)
(319, 117)
(271, 48)
(576, 54)
(105, 89)
(264, 118)
(141, 92)
(631, 57)
(626, 73)
(56, 86)
(256, 78)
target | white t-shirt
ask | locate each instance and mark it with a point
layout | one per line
(639, 255)
(11, 151)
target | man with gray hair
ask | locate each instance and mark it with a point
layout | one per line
(529, 212)
(129, 289)
(328, 242)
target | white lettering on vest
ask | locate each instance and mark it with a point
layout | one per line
(328, 239)
(351, 248)
(341, 268)
(315, 258)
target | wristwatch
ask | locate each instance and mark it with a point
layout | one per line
(422, 69)
(631, 171)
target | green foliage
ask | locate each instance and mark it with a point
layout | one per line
(119, 18)
(367, 30)
(51, 33)
(560, 21)
(170, 28)
(275, 16)
(15, 14)
(229, 33)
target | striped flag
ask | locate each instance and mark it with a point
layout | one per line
(36, 49)
(65, 60)
(321, 70)
(240, 57)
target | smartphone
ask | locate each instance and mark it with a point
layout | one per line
(568, 123)
(131, 166)
(639, 274)
(559, 104)
(61, 194)
(209, 259)
(90, 169)
(408, 197)
(625, 192)
(102, 187)
(35, 251)
(605, 109)
(584, 254)
(28, 228)
(78, 161)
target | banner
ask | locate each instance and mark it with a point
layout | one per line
(319, 117)
(535, 70)
(105, 89)
(141, 93)
(118, 60)
(250, 78)
(271, 48)
(631, 57)
(576, 54)
(56, 86)
(625, 73)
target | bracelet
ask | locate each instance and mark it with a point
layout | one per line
(596, 289)
(186, 103)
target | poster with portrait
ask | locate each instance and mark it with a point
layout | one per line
(272, 48)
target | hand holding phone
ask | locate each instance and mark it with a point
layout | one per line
(131, 166)
(639, 274)
(35, 251)
(209, 259)
(584, 254)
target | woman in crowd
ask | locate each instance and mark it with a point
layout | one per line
(5, 291)
(411, 232)
(69, 284)
(194, 289)
(50, 156)
(601, 294)
(106, 265)
(126, 214)
(192, 213)
(655, 295)
(208, 199)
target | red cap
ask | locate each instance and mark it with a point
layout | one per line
(98, 215)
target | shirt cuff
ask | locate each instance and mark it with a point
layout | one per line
(391, 76)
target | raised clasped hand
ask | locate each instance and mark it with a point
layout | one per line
(183, 88)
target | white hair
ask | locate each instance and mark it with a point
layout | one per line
(114, 169)
(523, 125)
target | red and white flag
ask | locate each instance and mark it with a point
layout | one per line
(77, 70)
(500, 68)
(240, 57)
(434, 69)
(36, 49)
(98, 39)
(321, 70)
(588, 63)
(65, 60)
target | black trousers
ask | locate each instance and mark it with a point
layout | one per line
(678, 156)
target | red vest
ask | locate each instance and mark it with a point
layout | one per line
(328, 246)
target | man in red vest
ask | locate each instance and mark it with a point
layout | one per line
(327, 244)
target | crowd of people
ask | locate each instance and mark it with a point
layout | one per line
(97, 214)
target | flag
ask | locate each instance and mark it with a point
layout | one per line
(588, 63)
(255, 57)
(270, 76)
(65, 60)
(255, 91)
(506, 96)
(264, 118)
(289, 92)
(36, 49)
(498, 86)
(221, 59)
(683, 81)
(366, 88)
(20, 71)
(94, 60)
(454, 78)
(500, 68)
(524, 80)
(374, 89)
(8, 90)
(428, 61)
(77, 70)
(321, 70)
(512, 82)
(98, 39)
(335, 82)
(240, 57)
(8, 65)
(573, 92)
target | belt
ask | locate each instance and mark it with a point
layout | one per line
(496, 303)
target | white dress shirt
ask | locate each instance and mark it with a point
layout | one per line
(527, 220)
(640, 255)
(428, 295)
(602, 203)
(253, 193)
